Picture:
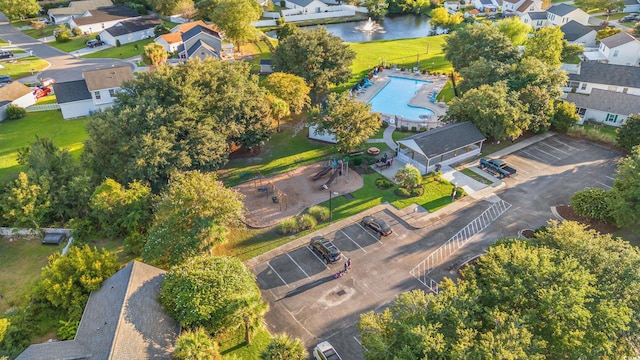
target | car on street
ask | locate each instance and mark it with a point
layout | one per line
(325, 249)
(378, 225)
(324, 351)
(630, 18)
(94, 43)
(5, 54)
(5, 79)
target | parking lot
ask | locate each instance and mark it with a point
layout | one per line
(306, 300)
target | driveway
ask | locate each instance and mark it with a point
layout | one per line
(307, 302)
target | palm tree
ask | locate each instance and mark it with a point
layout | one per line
(196, 344)
(252, 313)
(282, 347)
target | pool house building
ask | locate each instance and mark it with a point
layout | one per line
(444, 146)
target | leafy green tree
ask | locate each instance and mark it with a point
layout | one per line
(606, 32)
(279, 109)
(196, 344)
(628, 135)
(625, 205)
(570, 50)
(212, 292)
(315, 55)
(408, 177)
(68, 280)
(154, 54)
(25, 204)
(187, 9)
(539, 106)
(593, 203)
(349, 120)
(235, 18)
(283, 347)
(440, 17)
(290, 88)
(546, 45)
(376, 9)
(565, 116)
(513, 28)
(190, 218)
(482, 72)
(472, 42)
(286, 30)
(62, 33)
(493, 109)
(608, 6)
(19, 9)
(164, 7)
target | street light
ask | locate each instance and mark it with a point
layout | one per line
(331, 193)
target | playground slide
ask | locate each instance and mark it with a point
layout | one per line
(321, 173)
(331, 179)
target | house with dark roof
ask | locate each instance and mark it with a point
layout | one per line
(595, 75)
(63, 15)
(97, 20)
(16, 94)
(486, 5)
(200, 42)
(520, 7)
(560, 14)
(576, 33)
(631, 6)
(122, 320)
(537, 19)
(620, 49)
(74, 99)
(306, 6)
(131, 30)
(447, 145)
(608, 107)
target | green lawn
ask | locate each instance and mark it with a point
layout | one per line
(399, 135)
(575, 59)
(3, 42)
(437, 194)
(595, 131)
(472, 174)
(614, 16)
(76, 43)
(16, 134)
(40, 33)
(233, 345)
(22, 67)
(49, 99)
(123, 52)
(446, 94)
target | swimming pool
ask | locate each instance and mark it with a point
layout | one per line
(393, 98)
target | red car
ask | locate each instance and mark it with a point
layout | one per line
(41, 92)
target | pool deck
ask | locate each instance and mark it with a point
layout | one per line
(420, 99)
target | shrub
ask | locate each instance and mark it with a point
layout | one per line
(306, 222)
(62, 37)
(16, 112)
(402, 192)
(408, 177)
(288, 226)
(384, 183)
(67, 330)
(357, 161)
(321, 213)
(76, 31)
(118, 44)
(414, 129)
(592, 203)
(280, 21)
(403, 128)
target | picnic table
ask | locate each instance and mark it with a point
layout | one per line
(373, 151)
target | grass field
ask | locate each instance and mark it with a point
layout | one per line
(22, 67)
(614, 16)
(40, 33)
(233, 345)
(3, 42)
(16, 134)
(49, 99)
(76, 43)
(123, 52)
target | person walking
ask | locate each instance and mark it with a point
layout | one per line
(348, 264)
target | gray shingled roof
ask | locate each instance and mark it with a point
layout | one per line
(608, 74)
(197, 30)
(302, 3)
(71, 91)
(445, 139)
(107, 78)
(573, 30)
(609, 101)
(107, 14)
(133, 25)
(561, 9)
(486, 2)
(201, 44)
(537, 15)
(80, 7)
(617, 40)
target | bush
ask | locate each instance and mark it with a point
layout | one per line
(384, 183)
(357, 161)
(402, 192)
(306, 222)
(592, 203)
(62, 37)
(321, 213)
(16, 112)
(404, 129)
(288, 226)
(414, 129)
(118, 44)
(76, 31)
(67, 330)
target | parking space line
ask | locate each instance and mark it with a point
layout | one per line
(533, 156)
(520, 162)
(278, 275)
(553, 147)
(609, 177)
(314, 254)
(369, 232)
(544, 152)
(605, 185)
(349, 237)
(561, 143)
(300, 267)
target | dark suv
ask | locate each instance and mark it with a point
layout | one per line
(326, 250)
(5, 54)
(94, 43)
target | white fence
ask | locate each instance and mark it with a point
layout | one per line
(264, 23)
(271, 15)
(6, 231)
(46, 107)
(292, 15)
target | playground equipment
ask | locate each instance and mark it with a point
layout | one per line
(326, 185)
(321, 173)
(268, 187)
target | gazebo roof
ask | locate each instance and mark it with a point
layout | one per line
(443, 140)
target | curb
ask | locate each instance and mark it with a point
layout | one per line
(555, 213)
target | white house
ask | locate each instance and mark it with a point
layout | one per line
(306, 6)
(608, 107)
(100, 19)
(537, 19)
(130, 30)
(576, 33)
(173, 39)
(520, 7)
(200, 42)
(17, 94)
(595, 75)
(560, 14)
(631, 6)
(485, 5)
(75, 9)
(74, 99)
(621, 49)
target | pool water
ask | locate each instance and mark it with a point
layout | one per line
(393, 98)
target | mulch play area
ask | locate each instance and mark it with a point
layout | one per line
(294, 191)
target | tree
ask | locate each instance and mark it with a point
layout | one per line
(349, 120)
(570, 50)
(318, 57)
(636, 30)
(625, 205)
(628, 135)
(282, 347)
(164, 7)
(593, 203)
(14, 9)
(154, 54)
(279, 109)
(608, 6)
(482, 72)
(196, 344)
(495, 111)
(212, 292)
(440, 17)
(606, 32)
(25, 204)
(472, 42)
(62, 33)
(68, 280)
(286, 30)
(513, 28)
(565, 116)
(191, 217)
(408, 177)
(186, 9)
(376, 9)
(290, 88)
(546, 45)
(235, 19)
(539, 107)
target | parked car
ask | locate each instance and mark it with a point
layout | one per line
(5, 54)
(326, 250)
(324, 351)
(43, 20)
(94, 43)
(630, 18)
(497, 167)
(42, 92)
(4, 79)
(47, 82)
(378, 225)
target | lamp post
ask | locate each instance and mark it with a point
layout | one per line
(331, 193)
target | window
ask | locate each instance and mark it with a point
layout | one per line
(615, 53)
(112, 92)
(581, 111)
(97, 95)
(611, 118)
(583, 86)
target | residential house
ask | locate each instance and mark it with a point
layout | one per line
(608, 107)
(537, 19)
(485, 5)
(520, 7)
(560, 14)
(595, 75)
(200, 42)
(173, 39)
(631, 6)
(97, 20)
(96, 91)
(130, 30)
(122, 320)
(576, 33)
(307, 6)
(620, 49)
(63, 15)
(16, 94)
